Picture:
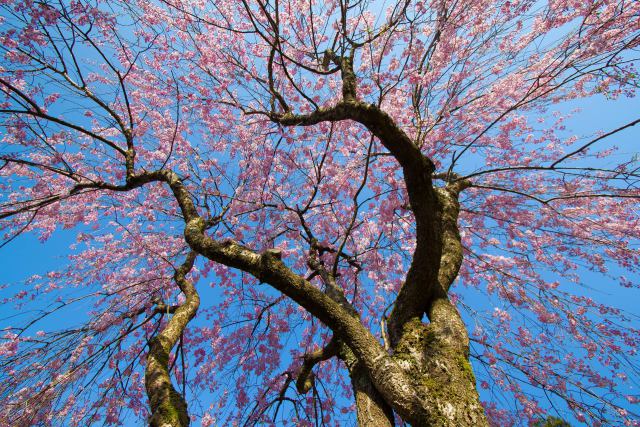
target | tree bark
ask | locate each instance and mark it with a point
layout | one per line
(371, 408)
(168, 407)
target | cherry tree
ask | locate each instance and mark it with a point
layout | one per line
(318, 213)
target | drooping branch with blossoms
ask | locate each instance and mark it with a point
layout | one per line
(318, 212)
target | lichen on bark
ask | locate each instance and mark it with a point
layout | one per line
(168, 407)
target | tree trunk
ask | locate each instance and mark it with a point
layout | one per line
(436, 354)
(168, 407)
(436, 357)
(371, 409)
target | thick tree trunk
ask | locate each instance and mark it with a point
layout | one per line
(437, 353)
(371, 409)
(436, 356)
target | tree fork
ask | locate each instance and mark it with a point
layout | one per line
(438, 352)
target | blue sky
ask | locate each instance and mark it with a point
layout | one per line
(26, 256)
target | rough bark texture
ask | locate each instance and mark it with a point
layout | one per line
(371, 408)
(168, 407)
